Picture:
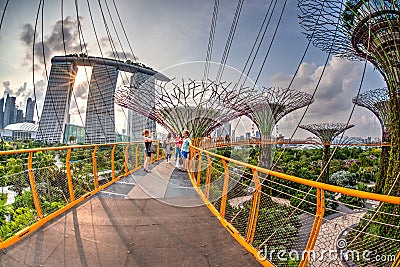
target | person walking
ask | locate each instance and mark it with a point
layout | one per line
(178, 144)
(148, 140)
(168, 147)
(185, 149)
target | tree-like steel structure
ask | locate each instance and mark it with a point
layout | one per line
(198, 106)
(377, 101)
(366, 30)
(326, 132)
(266, 109)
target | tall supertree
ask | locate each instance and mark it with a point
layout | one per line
(377, 101)
(366, 30)
(271, 105)
(197, 106)
(326, 132)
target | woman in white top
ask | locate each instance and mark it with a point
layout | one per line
(168, 147)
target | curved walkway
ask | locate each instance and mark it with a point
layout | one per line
(125, 226)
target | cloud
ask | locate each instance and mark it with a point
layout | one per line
(27, 35)
(333, 96)
(64, 35)
(6, 85)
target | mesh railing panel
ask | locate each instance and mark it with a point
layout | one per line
(289, 223)
(35, 184)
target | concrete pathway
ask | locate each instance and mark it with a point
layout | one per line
(125, 226)
(329, 240)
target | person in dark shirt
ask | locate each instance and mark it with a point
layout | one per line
(148, 139)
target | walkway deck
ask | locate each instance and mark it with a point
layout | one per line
(146, 219)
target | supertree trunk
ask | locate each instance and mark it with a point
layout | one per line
(265, 160)
(380, 180)
(325, 164)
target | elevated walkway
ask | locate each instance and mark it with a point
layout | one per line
(145, 219)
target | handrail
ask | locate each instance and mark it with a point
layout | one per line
(21, 151)
(347, 191)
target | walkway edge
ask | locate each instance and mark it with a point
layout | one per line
(231, 229)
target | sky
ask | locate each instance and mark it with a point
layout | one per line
(163, 34)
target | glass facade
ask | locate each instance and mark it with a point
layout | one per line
(100, 114)
(74, 130)
(57, 102)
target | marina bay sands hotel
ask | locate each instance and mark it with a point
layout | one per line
(100, 114)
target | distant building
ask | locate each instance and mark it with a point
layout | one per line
(19, 131)
(57, 102)
(10, 111)
(2, 113)
(20, 116)
(75, 131)
(30, 110)
(224, 130)
(100, 115)
(137, 121)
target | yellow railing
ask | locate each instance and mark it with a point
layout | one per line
(263, 219)
(45, 182)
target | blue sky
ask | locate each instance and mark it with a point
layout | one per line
(165, 33)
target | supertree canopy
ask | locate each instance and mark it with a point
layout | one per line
(268, 107)
(377, 101)
(197, 106)
(326, 132)
(354, 29)
(272, 104)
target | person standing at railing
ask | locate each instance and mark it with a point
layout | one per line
(168, 147)
(178, 144)
(148, 140)
(185, 149)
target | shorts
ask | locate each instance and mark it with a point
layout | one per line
(148, 153)
(184, 154)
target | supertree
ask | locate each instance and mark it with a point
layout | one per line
(197, 106)
(366, 30)
(377, 101)
(271, 105)
(326, 132)
(360, 30)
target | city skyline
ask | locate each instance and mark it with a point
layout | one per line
(156, 41)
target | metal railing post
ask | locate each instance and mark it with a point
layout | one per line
(94, 163)
(126, 161)
(33, 186)
(208, 177)
(224, 190)
(158, 150)
(69, 176)
(137, 156)
(316, 227)
(113, 162)
(198, 169)
(255, 207)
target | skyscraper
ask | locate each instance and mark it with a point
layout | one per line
(30, 110)
(2, 113)
(136, 121)
(100, 115)
(19, 116)
(57, 102)
(10, 111)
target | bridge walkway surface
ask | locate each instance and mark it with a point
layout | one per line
(145, 219)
